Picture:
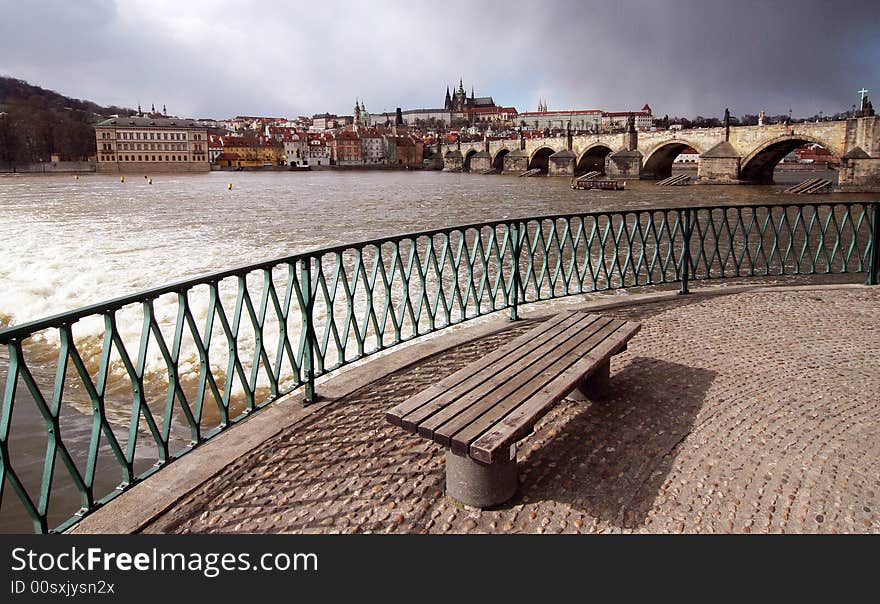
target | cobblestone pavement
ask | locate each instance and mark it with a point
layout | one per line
(749, 413)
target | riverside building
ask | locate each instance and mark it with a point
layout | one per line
(152, 144)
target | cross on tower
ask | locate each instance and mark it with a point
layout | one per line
(864, 93)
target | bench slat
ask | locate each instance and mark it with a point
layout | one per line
(465, 402)
(523, 380)
(519, 422)
(470, 425)
(409, 413)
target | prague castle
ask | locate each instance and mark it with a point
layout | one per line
(459, 102)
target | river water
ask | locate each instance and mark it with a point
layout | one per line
(69, 242)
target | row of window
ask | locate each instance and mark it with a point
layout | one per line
(155, 136)
(153, 146)
(168, 158)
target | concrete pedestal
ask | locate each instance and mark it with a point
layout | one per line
(480, 485)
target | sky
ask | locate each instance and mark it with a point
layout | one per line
(221, 58)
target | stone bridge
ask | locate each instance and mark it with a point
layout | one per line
(748, 155)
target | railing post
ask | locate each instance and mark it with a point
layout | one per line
(874, 261)
(685, 251)
(308, 360)
(515, 249)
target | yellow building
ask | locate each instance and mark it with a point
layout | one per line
(148, 144)
(240, 152)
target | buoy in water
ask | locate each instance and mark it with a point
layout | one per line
(229, 186)
(76, 177)
(149, 182)
(121, 179)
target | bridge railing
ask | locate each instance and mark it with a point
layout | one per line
(97, 399)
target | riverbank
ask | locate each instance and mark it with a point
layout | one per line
(54, 167)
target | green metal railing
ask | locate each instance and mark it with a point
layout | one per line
(116, 391)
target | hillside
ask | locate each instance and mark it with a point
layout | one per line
(36, 123)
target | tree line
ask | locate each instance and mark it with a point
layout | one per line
(36, 124)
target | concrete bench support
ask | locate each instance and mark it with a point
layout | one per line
(480, 485)
(595, 386)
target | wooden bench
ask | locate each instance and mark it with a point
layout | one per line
(481, 411)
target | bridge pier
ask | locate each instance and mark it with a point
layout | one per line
(435, 162)
(860, 165)
(453, 161)
(562, 163)
(481, 162)
(625, 164)
(719, 165)
(516, 161)
(859, 174)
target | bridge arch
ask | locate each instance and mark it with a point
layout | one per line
(758, 166)
(498, 158)
(658, 160)
(593, 158)
(468, 156)
(540, 159)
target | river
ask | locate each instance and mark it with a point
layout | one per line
(68, 242)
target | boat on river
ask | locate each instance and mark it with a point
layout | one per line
(606, 184)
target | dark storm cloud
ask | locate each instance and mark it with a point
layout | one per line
(220, 58)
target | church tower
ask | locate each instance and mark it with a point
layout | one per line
(447, 104)
(460, 100)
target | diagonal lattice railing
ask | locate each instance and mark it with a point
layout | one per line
(97, 399)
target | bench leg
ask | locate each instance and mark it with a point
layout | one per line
(595, 386)
(480, 485)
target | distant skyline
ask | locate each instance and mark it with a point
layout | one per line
(223, 58)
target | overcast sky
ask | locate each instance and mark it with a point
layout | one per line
(220, 58)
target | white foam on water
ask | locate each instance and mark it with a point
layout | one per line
(71, 243)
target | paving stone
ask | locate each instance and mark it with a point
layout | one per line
(754, 412)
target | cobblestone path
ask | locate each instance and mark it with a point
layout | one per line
(754, 412)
